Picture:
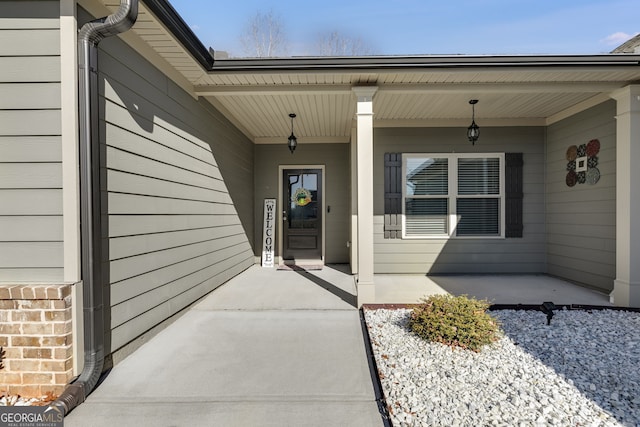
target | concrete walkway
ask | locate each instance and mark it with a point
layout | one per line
(279, 348)
(269, 348)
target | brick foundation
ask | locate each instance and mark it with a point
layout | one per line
(35, 332)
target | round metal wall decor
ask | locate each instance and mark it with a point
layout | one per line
(582, 163)
(593, 148)
(593, 176)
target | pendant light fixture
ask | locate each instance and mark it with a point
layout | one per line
(473, 131)
(293, 141)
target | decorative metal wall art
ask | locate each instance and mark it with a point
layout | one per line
(583, 163)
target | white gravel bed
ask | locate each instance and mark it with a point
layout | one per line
(582, 370)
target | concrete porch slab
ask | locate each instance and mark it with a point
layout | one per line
(497, 289)
(257, 288)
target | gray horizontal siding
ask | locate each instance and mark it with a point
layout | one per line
(30, 96)
(31, 148)
(27, 42)
(30, 175)
(22, 228)
(20, 14)
(218, 273)
(581, 220)
(31, 248)
(25, 69)
(132, 225)
(31, 275)
(189, 269)
(441, 256)
(176, 222)
(29, 122)
(148, 243)
(30, 254)
(31, 201)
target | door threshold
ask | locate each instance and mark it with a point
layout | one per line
(301, 264)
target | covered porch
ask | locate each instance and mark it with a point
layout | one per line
(352, 112)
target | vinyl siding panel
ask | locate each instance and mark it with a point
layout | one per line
(148, 243)
(30, 96)
(133, 225)
(31, 275)
(470, 255)
(29, 122)
(30, 254)
(581, 220)
(19, 42)
(30, 228)
(30, 175)
(24, 69)
(178, 195)
(31, 248)
(218, 273)
(31, 201)
(30, 149)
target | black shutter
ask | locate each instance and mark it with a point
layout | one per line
(392, 195)
(513, 194)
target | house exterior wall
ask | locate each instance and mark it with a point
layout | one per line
(335, 158)
(31, 230)
(179, 194)
(476, 255)
(581, 220)
(35, 306)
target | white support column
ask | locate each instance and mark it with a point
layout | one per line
(353, 246)
(70, 167)
(364, 156)
(69, 125)
(626, 288)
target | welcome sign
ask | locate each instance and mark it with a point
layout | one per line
(268, 233)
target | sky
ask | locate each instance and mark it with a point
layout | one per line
(414, 27)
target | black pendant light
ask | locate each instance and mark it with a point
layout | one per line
(293, 141)
(473, 131)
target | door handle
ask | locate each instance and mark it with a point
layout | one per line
(284, 216)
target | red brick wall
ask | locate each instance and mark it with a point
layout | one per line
(35, 331)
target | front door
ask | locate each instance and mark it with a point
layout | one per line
(302, 214)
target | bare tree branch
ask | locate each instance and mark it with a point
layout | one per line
(336, 44)
(264, 36)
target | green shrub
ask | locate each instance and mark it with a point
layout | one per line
(455, 321)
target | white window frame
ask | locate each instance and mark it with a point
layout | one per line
(452, 161)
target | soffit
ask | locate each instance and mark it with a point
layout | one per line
(155, 35)
(259, 103)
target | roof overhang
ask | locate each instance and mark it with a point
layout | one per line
(412, 91)
(257, 94)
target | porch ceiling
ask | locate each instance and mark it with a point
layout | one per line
(259, 104)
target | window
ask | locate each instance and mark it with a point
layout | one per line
(453, 195)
